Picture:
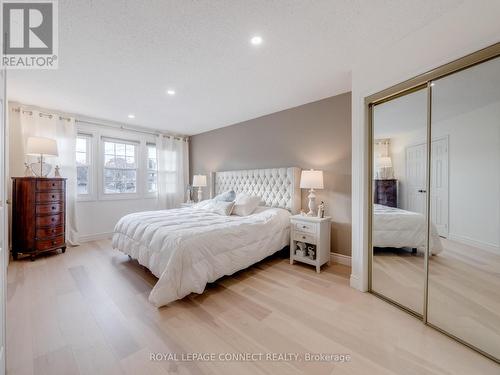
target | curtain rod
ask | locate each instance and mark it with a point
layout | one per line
(41, 114)
(122, 127)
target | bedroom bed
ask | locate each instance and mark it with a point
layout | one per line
(189, 247)
(397, 228)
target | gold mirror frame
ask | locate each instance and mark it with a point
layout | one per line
(420, 82)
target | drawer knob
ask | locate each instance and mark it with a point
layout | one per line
(304, 227)
(53, 219)
(53, 184)
(53, 207)
(53, 242)
(53, 231)
(53, 196)
(303, 237)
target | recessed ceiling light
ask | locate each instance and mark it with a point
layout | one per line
(131, 115)
(433, 84)
(256, 40)
(171, 92)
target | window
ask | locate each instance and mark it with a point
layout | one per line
(152, 172)
(83, 164)
(120, 167)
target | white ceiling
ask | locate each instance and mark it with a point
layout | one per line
(119, 57)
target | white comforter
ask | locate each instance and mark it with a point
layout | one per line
(190, 247)
(394, 227)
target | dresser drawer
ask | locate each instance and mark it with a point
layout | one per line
(42, 233)
(49, 185)
(50, 243)
(305, 227)
(53, 196)
(304, 237)
(51, 220)
(51, 208)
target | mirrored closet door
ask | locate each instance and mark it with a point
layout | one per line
(464, 270)
(435, 198)
(399, 181)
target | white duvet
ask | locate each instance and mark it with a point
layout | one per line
(190, 247)
(394, 227)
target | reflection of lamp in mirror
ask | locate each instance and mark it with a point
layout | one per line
(311, 180)
(199, 181)
(384, 165)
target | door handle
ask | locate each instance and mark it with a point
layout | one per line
(422, 191)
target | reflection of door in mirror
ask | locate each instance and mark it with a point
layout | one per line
(399, 231)
(464, 280)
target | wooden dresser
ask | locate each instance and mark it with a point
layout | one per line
(386, 192)
(38, 215)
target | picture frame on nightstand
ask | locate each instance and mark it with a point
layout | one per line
(310, 240)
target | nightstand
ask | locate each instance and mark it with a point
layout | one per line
(183, 205)
(310, 240)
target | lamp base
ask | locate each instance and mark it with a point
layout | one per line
(312, 203)
(200, 194)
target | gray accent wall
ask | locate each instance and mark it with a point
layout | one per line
(315, 135)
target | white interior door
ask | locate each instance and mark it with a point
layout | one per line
(416, 161)
(439, 185)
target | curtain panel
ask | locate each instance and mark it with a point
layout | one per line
(26, 122)
(173, 171)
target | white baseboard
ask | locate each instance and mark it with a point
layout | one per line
(491, 248)
(341, 259)
(96, 237)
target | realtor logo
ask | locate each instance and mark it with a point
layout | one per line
(29, 34)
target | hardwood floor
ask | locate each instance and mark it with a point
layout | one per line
(86, 312)
(464, 289)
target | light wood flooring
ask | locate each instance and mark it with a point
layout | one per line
(86, 312)
(464, 289)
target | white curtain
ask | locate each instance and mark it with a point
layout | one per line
(25, 122)
(173, 171)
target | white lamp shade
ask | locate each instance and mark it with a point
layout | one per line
(40, 145)
(384, 162)
(199, 180)
(311, 179)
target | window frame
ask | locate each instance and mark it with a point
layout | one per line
(90, 195)
(138, 185)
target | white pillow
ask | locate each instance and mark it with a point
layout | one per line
(245, 204)
(219, 207)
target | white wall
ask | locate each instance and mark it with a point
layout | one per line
(468, 28)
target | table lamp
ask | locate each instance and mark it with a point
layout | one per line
(311, 179)
(199, 181)
(40, 146)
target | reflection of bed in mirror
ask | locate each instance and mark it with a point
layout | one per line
(397, 228)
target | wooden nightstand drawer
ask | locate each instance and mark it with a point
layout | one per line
(304, 237)
(53, 196)
(305, 227)
(50, 220)
(42, 233)
(51, 208)
(49, 185)
(42, 245)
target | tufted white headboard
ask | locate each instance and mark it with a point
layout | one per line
(278, 187)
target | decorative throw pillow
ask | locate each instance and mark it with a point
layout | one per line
(245, 204)
(220, 207)
(227, 196)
